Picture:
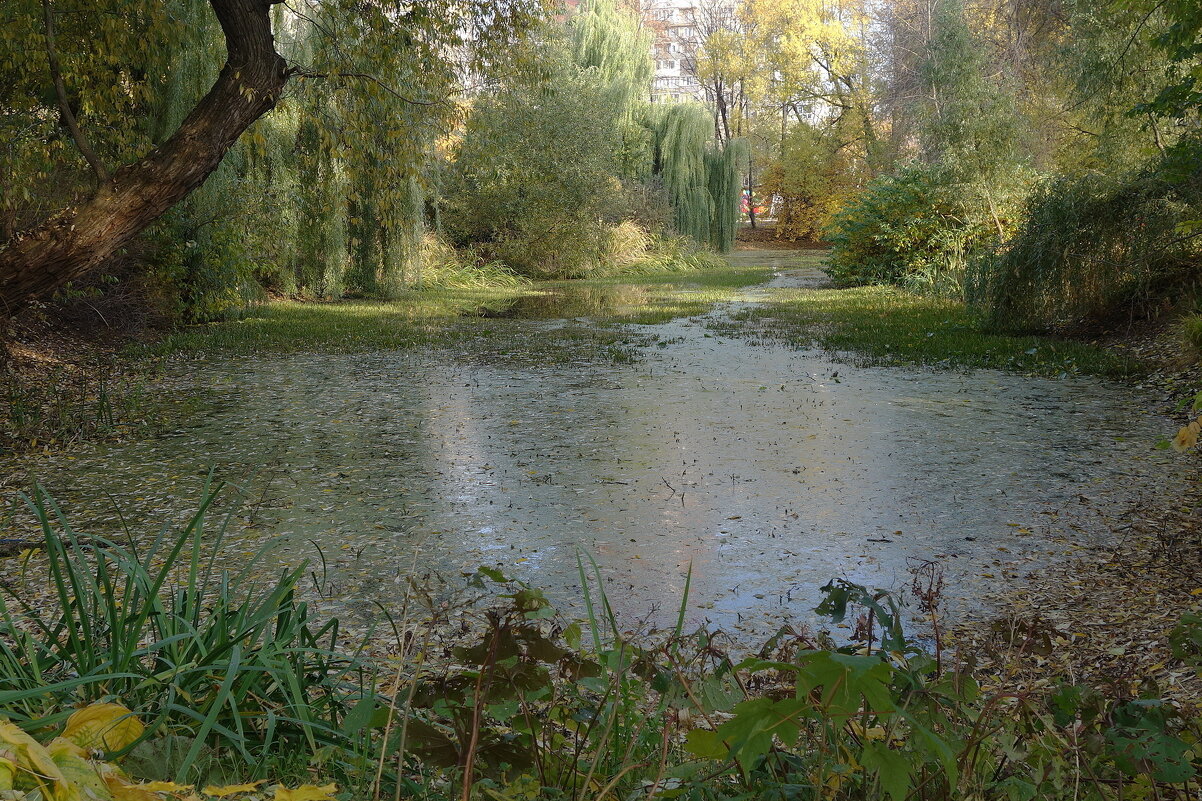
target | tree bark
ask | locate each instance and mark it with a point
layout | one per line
(72, 242)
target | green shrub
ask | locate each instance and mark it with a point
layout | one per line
(1096, 245)
(535, 177)
(910, 227)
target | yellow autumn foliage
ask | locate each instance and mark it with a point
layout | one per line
(306, 792)
(63, 770)
(231, 789)
(103, 727)
(33, 767)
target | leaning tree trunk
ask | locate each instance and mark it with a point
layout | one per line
(73, 241)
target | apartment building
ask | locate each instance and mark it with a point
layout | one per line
(677, 28)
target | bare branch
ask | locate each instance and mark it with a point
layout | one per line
(60, 90)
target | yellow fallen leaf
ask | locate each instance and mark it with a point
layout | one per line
(77, 770)
(163, 787)
(232, 789)
(107, 727)
(306, 792)
(29, 757)
(61, 745)
(1186, 438)
(121, 790)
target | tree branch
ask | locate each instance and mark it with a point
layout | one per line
(68, 244)
(64, 107)
(303, 73)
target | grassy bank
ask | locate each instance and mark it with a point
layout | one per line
(880, 325)
(450, 316)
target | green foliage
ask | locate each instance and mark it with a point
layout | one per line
(1182, 42)
(444, 266)
(69, 767)
(811, 180)
(1115, 232)
(1097, 244)
(885, 325)
(530, 706)
(247, 671)
(865, 725)
(724, 168)
(702, 177)
(924, 223)
(682, 132)
(559, 173)
(323, 196)
(612, 41)
(1108, 61)
(536, 182)
(674, 254)
(908, 228)
(969, 124)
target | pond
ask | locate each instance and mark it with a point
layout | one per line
(767, 470)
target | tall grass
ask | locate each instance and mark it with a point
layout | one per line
(1095, 246)
(445, 266)
(230, 662)
(631, 251)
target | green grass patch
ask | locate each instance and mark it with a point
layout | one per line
(878, 325)
(451, 316)
(417, 318)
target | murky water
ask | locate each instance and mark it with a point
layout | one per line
(768, 470)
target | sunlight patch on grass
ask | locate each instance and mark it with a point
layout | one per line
(878, 325)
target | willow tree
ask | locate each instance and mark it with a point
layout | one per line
(84, 72)
(682, 133)
(723, 167)
(700, 174)
(612, 41)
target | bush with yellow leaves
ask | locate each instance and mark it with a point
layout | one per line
(70, 766)
(1187, 436)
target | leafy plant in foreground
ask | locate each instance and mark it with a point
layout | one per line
(524, 705)
(225, 662)
(65, 768)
